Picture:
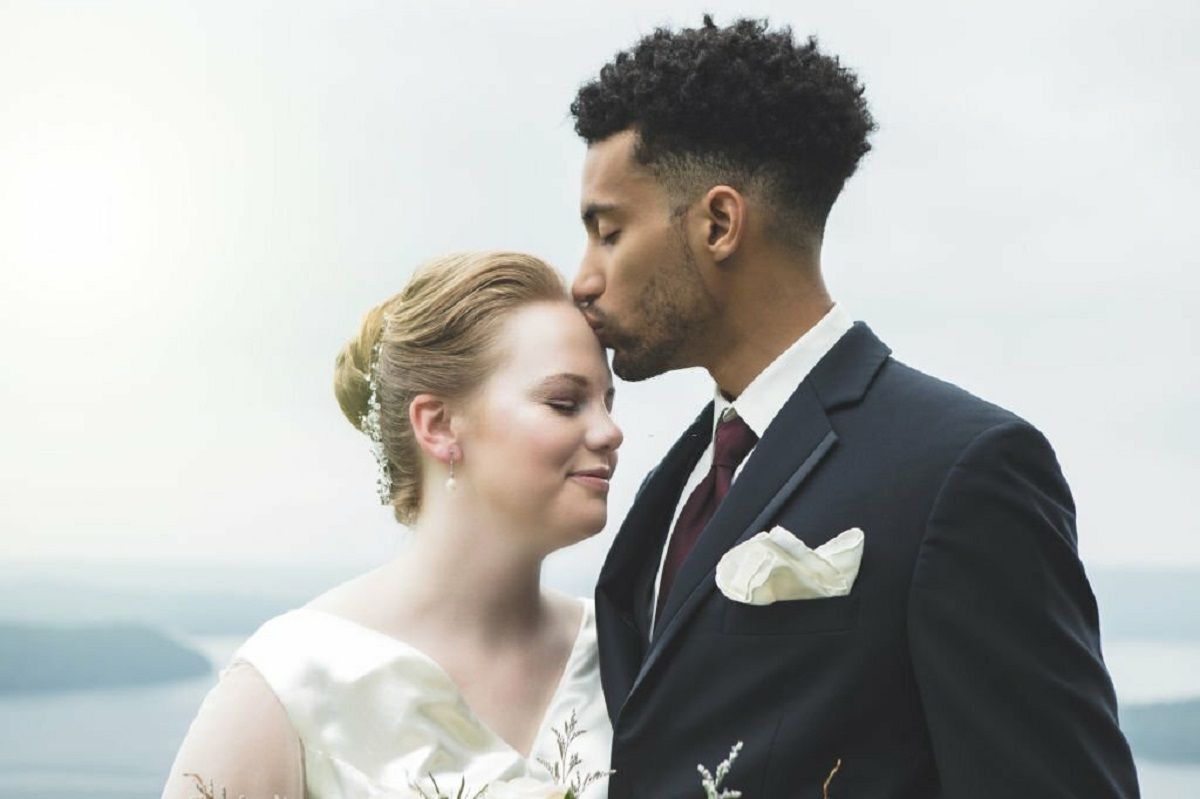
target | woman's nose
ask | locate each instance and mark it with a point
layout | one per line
(607, 434)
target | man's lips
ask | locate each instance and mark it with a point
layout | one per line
(598, 329)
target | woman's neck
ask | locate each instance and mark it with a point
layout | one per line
(465, 570)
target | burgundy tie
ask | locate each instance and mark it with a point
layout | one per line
(733, 441)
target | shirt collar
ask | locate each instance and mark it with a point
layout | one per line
(769, 391)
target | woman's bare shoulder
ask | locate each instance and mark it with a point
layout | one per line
(241, 741)
(359, 597)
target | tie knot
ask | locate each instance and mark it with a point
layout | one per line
(733, 441)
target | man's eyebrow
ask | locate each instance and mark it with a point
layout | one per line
(591, 210)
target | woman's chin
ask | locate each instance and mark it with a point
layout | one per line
(583, 530)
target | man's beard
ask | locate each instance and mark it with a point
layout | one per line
(639, 358)
(673, 312)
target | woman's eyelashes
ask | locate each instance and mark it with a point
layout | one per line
(571, 407)
(567, 407)
(609, 239)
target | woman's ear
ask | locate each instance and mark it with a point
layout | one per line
(431, 423)
(723, 213)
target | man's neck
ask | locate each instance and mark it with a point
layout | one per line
(761, 323)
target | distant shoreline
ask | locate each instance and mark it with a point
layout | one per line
(1168, 732)
(40, 658)
(118, 626)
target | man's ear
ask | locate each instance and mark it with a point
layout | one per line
(723, 213)
(430, 418)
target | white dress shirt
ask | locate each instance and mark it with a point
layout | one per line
(759, 404)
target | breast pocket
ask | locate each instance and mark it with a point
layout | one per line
(791, 617)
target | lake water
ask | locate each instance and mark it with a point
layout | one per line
(120, 743)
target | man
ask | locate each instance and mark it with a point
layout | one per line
(964, 658)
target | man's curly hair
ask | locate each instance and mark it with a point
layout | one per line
(741, 105)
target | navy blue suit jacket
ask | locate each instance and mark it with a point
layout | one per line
(965, 662)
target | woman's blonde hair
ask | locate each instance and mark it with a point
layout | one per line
(435, 338)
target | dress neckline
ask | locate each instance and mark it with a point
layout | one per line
(577, 648)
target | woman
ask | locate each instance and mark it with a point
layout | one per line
(487, 399)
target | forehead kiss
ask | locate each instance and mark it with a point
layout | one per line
(549, 347)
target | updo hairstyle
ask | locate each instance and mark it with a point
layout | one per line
(437, 336)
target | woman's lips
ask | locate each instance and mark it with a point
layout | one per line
(597, 483)
(596, 479)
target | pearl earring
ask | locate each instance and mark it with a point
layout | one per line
(451, 483)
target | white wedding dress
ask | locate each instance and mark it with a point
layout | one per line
(372, 713)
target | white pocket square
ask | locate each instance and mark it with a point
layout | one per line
(776, 565)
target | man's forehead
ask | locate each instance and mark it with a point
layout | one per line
(616, 151)
(610, 171)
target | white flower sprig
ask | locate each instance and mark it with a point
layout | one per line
(712, 784)
(209, 791)
(437, 790)
(565, 771)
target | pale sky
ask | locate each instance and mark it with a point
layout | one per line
(199, 200)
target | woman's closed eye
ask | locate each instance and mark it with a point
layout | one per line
(609, 239)
(567, 407)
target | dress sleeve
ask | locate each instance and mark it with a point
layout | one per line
(241, 741)
(1004, 633)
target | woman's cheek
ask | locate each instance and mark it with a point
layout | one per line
(553, 444)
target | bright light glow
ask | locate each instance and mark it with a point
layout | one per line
(72, 207)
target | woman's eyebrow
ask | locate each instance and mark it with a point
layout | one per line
(571, 377)
(577, 380)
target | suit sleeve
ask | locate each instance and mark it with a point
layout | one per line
(1004, 633)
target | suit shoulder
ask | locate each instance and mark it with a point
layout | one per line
(909, 412)
(920, 396)
(925, 430)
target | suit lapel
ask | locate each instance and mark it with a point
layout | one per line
(626, 582)
(789, 450)
(794, 444)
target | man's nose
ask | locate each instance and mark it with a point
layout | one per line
(588, 284)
